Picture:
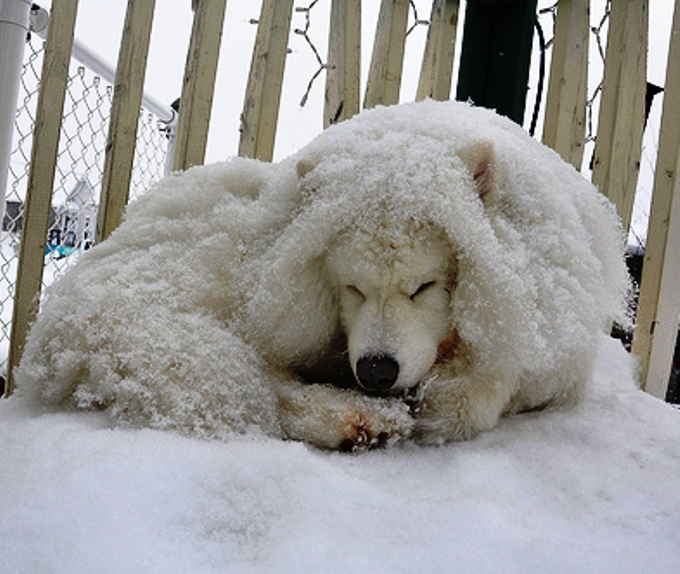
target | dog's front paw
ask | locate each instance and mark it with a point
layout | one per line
(359, 434)
(340, 419)
(442, 413)
(459, 408)
(432, 426)
(369, 423)
(364, 432)
(432, 429)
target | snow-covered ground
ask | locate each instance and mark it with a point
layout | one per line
(589, 490)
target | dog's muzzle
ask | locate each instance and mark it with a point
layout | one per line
(377, 372)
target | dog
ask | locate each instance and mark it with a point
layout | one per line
(415, 272)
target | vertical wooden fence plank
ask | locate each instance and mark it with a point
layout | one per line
(46, 133)
(565, 114)
(659, 303)
(387, 60)
(343, 77)
(622, 111)
(127, 99)
(198, 86)
(440, 47)
(263, 93)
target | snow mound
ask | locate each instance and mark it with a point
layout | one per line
(589, 490)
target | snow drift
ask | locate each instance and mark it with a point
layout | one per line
(191, 315)
(589, 490)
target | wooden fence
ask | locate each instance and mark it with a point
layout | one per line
(616, 158)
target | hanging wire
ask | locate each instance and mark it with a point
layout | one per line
(597, 32)
(416, 21)
(541, 77)
(304, 32)
(323, 65)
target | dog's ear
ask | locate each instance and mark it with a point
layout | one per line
(304, 166)
(480, 159)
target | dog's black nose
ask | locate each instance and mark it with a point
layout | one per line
(377, 372)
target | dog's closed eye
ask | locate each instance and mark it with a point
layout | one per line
(423, 287)
(354, 290)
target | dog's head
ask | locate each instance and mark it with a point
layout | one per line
(384, 279)
(394, 286)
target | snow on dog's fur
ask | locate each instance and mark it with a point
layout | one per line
(417, 271)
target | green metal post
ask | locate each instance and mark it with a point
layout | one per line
(496, 54)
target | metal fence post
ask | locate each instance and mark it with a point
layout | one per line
(14, 21)
(496, 55)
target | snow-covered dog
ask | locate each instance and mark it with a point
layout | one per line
(417, 271)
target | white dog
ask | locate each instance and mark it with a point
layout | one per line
(417, 271)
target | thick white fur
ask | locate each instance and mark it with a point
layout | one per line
(436, 233)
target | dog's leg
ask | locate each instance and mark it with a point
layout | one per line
(334, 418)
(461, 407)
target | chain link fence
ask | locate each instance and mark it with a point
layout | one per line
(78, 174)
